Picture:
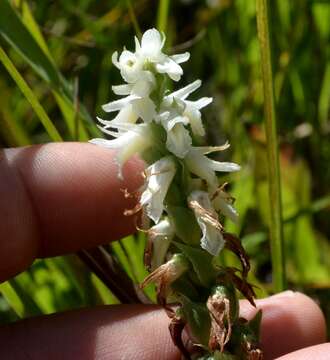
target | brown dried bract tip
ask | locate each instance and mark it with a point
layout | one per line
(176, 327)
(252, 352)
(221, 325)
(234, 244)
(135, 210)
(242, 285)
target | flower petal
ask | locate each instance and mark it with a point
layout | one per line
(198, 164)
(124, 89)
(223, 166)
(180, 58)
(202, 102)
(129, 143)
(159, 178)
(178, 140)
(144, 108)
(186, 91)
(119, 104)
(151, 43)
(171, 68)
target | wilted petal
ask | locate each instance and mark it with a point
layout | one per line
(223, 203)
(212, 239)
(166, 274)
(159, 178)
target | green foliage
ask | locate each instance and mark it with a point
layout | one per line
(46, 47)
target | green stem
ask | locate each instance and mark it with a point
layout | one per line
(162, 15)
(276, 229)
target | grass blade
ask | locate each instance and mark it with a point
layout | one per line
(28, 93)
(276, 228)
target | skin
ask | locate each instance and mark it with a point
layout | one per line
(59, 198)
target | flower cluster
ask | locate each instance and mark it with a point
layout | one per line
(182, 200)
(151, 120)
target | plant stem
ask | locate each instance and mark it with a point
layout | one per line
(162, 15)
(276, 228)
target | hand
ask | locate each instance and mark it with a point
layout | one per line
(59, 198)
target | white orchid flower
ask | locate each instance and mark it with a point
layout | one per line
(150, 50)
(188, 110)
(134, 139)
(204, 167)
(160, 236)
(134, 106)
(159, 178)
(178, 140)
(212, 240)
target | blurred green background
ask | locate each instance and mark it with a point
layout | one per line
(56, 71)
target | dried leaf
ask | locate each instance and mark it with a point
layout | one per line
(234, 244)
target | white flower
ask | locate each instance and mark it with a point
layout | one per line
(212, 239)
(150, 49)
(147, 59)
(205, 168)
(188, 110)
(134, 139)
(178, 140)
(159, 178)
(160, 236)
(133, 105)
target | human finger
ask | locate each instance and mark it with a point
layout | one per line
(317, 352)
(290, 321)
(116, 332)
(58, 198)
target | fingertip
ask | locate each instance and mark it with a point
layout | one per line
(61, 197)
(290, 321)
(317, 352)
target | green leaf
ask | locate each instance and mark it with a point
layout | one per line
(14, 31)
(198, 318)
(185, 224)
(201, 262)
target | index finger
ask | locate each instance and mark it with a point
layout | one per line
(59, 198)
